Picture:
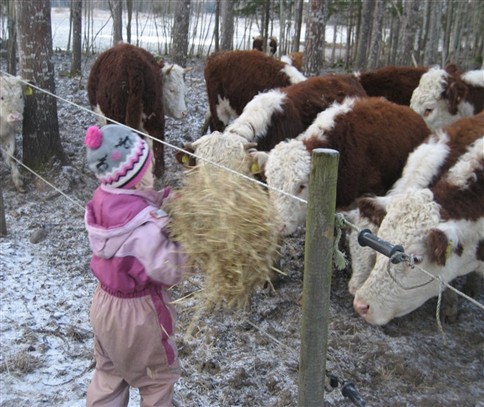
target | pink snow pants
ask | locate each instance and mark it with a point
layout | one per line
(129, 352)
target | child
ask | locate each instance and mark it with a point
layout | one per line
(135, 262)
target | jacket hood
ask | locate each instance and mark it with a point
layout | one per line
(113, 214)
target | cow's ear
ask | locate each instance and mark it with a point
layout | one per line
(373, 208)
(258, 162)
(186, 159)
(456, 92)
(439, 246)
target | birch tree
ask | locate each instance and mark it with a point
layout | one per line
(409, 31)
(313, 60)
(76, 18)
(376, 34)
(41, 140)
(180, 32)
(364, 36)
(227, 25)
(116, 7)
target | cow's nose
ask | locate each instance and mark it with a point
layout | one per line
(360, 307)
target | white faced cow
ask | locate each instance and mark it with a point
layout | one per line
(127, 84)
(425, 165)
(373, 136)
(11, 116)
(442, 231)
(445, 95)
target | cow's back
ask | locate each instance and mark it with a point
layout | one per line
(395, 83)
(119, 73)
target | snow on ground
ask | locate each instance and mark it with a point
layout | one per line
(230, 359)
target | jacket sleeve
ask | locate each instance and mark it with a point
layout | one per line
(163, 260)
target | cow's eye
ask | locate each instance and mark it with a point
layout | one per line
(300, 189)
(417, 259)
(427, 112)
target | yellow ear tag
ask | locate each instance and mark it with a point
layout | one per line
(185, 159)
(254, 168)
(28, 91)
(448, 250)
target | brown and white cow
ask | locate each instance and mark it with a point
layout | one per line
(395, 83)
(11, 117)
(374, 138)
(425, 165)
(445, 95)
(442, 231)
(127, 84)
(271, 117)
(233, 78)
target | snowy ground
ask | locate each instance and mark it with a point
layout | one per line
(230, 359)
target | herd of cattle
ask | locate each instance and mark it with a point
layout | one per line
(411, 144)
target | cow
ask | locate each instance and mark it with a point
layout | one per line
(258, 44)
(374, 138)
(395, 83)
(127, 84)
(445, 95)
(233, 78)
(295, 59)
(11, 117)
(271, 117)
(424, 166)
(442, 231)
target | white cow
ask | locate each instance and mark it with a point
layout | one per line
(11, 117)
(442, 231)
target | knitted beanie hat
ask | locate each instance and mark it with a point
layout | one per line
(116, 155)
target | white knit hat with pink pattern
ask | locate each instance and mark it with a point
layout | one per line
(116, 155)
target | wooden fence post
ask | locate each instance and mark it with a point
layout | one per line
(318, 256)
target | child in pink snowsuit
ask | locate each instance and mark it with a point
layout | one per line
(135, 262)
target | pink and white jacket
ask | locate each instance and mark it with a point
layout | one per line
(133, 255)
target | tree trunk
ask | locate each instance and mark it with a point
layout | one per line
(76, 13)
(180, 32)
(376, 34)
(296, 42)
(313, 60)
(129, 9)
(12, 40)
(216, 29)
(409, 31)
(41, 140)
(3, 220)
(434, 29)
(227, 25)
(365, 32)
(116, 7)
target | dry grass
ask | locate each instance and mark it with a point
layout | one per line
(20, 363)
(228, 229)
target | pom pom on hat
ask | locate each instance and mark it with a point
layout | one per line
(117, 156)
(94, 137)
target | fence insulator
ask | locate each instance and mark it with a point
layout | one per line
(367, 238)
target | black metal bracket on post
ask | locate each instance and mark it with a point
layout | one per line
(395, 252)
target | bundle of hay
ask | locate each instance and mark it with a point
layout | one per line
(227, 226)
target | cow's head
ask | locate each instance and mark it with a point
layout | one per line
(286, 168)
(440, 98)
(174, 90)
(225, 149)
(369, 214)
(413, 220)
(11, 101)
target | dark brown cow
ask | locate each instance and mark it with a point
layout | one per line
(233, 78)
(374, 138)
(395, 83)
(126, 84)
(274, 116)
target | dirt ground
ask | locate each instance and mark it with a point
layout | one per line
(230, 358)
